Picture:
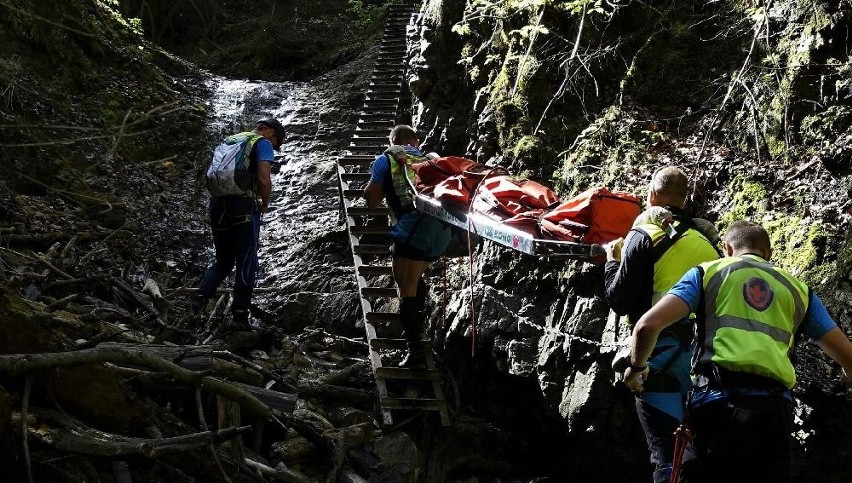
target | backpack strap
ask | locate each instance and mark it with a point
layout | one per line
(675, 232)
(392, 158)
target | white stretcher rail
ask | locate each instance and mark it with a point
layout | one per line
(507, 235)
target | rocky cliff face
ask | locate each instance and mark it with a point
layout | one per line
(752, 99)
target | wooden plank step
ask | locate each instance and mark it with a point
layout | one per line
(384, 116)
(387, 95)
(382, 100)
(386, 77)
(379, 103)
(353, 194)
(388, 70)
(371, 249)
(364, 211)
(415, 404)
(374, 317)
(374, 140)
(407, 374)
(385, 126)
(370, 230)
(355, 176)
(367, 148)
(379, 292)
(355, 160)
(381, 343)
(390, 86)
(375, 270)
(382, 132)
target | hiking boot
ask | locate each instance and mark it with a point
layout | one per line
(415, 357)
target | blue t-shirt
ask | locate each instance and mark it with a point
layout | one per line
(380, 169)
(263, 150)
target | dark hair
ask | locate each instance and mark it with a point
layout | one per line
(746, 235)
(274, 124)
(403, 134)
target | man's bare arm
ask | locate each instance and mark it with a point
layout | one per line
(667, 311)
(374, 194)
(837, 346)
(264, 184)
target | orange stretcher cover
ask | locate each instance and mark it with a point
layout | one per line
(595, 216)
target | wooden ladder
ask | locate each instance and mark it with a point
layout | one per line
(381, 111)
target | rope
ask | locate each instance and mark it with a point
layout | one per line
(472, 285)
(683, 436)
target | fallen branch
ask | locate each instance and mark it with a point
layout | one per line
(279, 473)
(17, 364)
(74, 436)
(257, 367)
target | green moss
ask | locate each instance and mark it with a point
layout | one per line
(611, 146)
(749, 200)
(795, 241)
(794, 244)
(823, 128)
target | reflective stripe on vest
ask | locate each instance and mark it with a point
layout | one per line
(752, 310)
(402, 201)
(691, 249)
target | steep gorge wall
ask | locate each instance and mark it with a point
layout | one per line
(751, 99)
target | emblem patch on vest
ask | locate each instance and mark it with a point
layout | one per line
(757, 293)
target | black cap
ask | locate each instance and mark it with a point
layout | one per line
(274, 124)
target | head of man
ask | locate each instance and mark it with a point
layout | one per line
(271, 129)
(746, 237)
(668, 187)
(404, 134)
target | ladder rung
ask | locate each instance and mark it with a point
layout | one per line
(381, 343)
(407, 374)
(355, 176)
(370, 230)
(414, 403)
(387, 292)
(355, 160)
(353, 194)
(364, 211)
(359, 131)
(381, 116)
(372, 249)
(380, 104)
(369, 148)
(382, 317)
(369, 139)
(375, 270)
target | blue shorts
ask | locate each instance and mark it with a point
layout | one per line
(420, 237)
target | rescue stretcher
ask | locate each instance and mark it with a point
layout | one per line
(506, 235)
(517, 213)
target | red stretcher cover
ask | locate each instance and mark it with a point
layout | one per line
(596, 215)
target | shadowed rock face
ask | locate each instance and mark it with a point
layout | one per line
(650, 97)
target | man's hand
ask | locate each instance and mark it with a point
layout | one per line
(613, 250)
(635, 380)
